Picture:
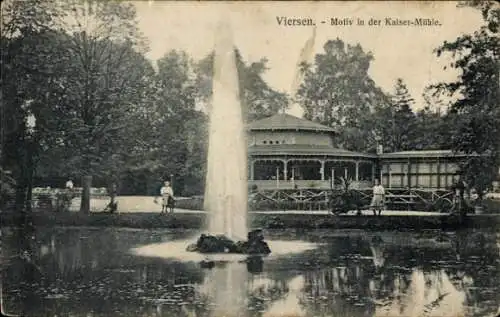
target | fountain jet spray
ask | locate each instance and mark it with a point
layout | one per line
(226, 181)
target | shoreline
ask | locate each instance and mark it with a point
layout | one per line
(264, 220)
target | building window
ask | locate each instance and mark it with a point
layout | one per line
(265, 142)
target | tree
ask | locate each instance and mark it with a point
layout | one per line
(402, 123)
(258, 99)
(380, 120)
(196, 140)
(394, 122)
(78, 70)
(175, 121)
(337, 91)
(476, 112)
(106, 78)
(184, 153)
(430, 131)
(27, 63)
(21, 17)
(432, 123)
(174, 144)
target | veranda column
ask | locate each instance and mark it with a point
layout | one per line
(277, 176)
(409, 173)
(438, 174)
(332, 172)
(322, 170)
(252, 176)
(357, 171)
(333, 176)
(381, 168)
(373, 173)
(285, 170)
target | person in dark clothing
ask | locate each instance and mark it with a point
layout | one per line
(113, 205)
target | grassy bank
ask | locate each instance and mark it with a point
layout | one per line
(130, 220)
(269, 221)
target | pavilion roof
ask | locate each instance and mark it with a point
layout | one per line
(283, 121)
(304, 149)
(422, 154)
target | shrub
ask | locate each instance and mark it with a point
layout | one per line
(192, 203)
(44, 202)
(491, 206)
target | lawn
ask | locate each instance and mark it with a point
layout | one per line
(138, 204)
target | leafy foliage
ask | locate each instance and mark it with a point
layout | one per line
(395, 123)
(76, 80)
(432, 132)
(258, 99)
(79, 98)
(476, 113)
(27, 71)
(175, 143)
(338, 92)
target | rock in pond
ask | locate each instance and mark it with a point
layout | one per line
(221, 244)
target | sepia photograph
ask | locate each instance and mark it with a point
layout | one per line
(249, 158)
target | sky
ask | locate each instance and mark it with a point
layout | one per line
(399, 51)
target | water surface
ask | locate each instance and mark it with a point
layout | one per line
(95, 272)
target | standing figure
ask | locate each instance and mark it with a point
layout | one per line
(113, 204)
(378, 198)
(67, 196)
(459, 189)
(69, 185)
(167, 195)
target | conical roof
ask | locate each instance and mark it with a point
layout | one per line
(283, 121)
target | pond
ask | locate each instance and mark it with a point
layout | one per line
(114, 272)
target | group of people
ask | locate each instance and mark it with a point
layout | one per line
(166, 194)
(377, 203)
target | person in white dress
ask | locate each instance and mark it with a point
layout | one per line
(167, 195)
(378, 199)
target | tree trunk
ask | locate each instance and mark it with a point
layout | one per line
(29, 193)
(21, 178)
(86, 184)
(20, 200)
(23, 181)
(30, 168)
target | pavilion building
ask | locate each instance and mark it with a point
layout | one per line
(288, 152)
(419, 169)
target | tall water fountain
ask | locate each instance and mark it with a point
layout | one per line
(226, 195)
(226, 181)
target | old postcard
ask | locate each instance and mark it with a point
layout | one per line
(224, 159)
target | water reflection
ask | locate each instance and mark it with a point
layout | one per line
(226, 287)
(289, 305)
(429, 294)
(88, 272)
